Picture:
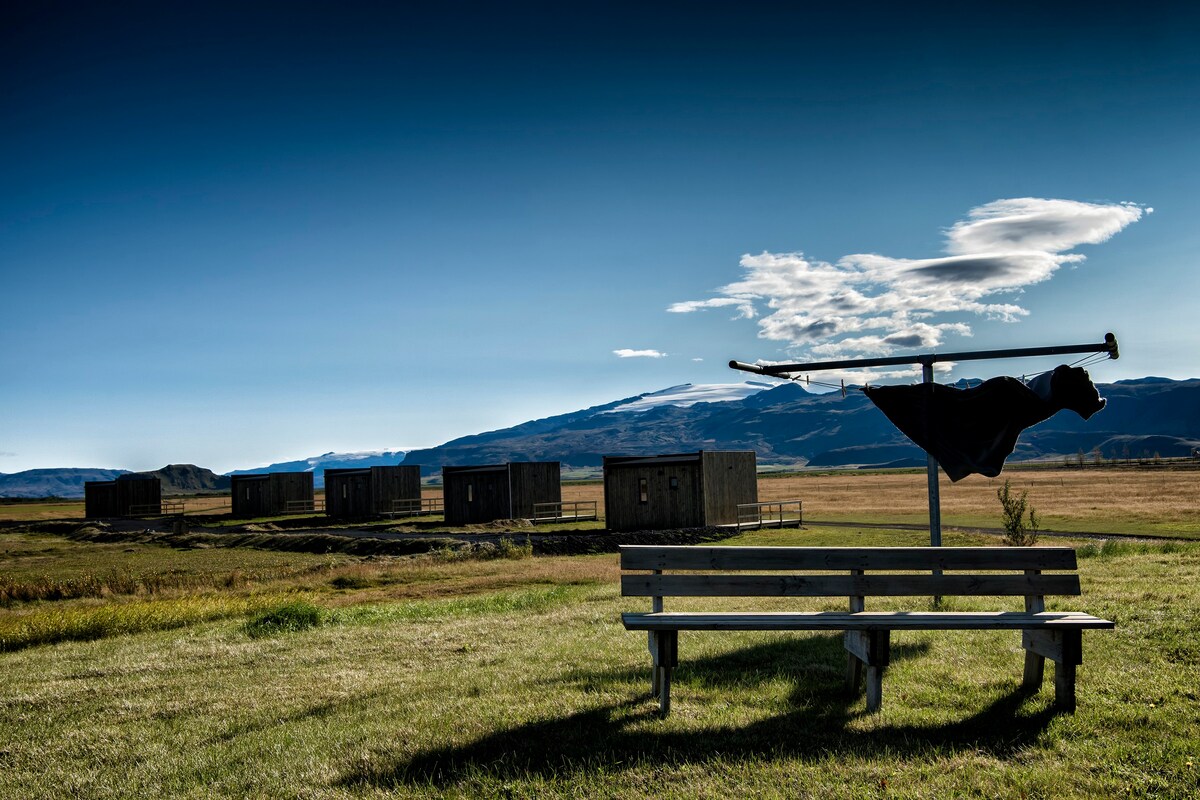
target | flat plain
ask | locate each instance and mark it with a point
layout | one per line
(132, 669)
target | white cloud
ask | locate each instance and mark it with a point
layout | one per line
(697, 359)
(745, 306)
(867, 303)
(626, 353)
(1033, 224)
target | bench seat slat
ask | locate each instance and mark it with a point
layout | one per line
(863, 620)
(684, 557)
(697, 585)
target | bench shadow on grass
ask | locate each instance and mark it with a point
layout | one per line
(814, 724)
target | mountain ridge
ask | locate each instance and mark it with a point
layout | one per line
(786, 425)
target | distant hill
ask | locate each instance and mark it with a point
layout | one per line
(190, 479)
(64, 482)
(176, 479)
(318, 464)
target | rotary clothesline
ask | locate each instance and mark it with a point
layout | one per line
(1095, 352)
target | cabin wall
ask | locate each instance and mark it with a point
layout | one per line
(347, 493)
(475, 495)
(673, 498)
(730, 478)
(249, 495)
(533, 482)
(268, 495)
(369, 492)
(103, 499)
(290, 486)
(393, 483)
(144, 492)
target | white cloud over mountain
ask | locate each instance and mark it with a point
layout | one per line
(872, 304)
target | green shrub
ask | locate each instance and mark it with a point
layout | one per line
(1017, 532)
(507, 548)
(297, 615)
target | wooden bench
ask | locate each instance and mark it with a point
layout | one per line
(681, 571)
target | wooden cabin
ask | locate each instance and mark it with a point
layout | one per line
(683, 490)
(487, 492)
(272, 494)
(362, 492)
(126, 496)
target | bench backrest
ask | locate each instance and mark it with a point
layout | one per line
(922, 571)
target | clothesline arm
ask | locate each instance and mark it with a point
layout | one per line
(1109, 345)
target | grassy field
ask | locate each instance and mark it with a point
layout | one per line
(132, 670)
(1102, 500)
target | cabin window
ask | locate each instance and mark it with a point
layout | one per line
(470, 493)
(674, 482)
(643, 491)
(247, 492)
(345, 492)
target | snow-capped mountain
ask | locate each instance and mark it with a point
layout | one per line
(688, 394)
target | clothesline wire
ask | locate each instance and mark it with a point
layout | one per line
(1087, 361)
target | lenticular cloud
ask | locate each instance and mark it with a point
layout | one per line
(872, 304)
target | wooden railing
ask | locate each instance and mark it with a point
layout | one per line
(416, 507)
(303, 506)
(779, 514)
(565, 511)
(156, 509)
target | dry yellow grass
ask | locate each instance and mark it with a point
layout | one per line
(1091, 499)
(1081, 499)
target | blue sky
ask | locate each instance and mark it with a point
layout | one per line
(238, 233)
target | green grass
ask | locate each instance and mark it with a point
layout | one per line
(1174, 529)
(296, 615)
(519, 681)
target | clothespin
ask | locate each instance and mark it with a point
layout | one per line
(843, 387)
(807, 381)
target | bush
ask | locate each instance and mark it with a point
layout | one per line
(295, 616)
(351, 582)
(1017, 532)
(507, 548)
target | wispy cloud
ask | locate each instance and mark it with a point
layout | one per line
(6, 454)
(867, 303)
(627, 353)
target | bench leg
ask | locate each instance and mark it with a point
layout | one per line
(870, 649)
(1035, 666)
(853, 673)
(664, 653)
(874, 688)
(1065, 649)
(1064, 686)
(655, 678)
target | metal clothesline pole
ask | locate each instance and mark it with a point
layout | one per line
(927, 360)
